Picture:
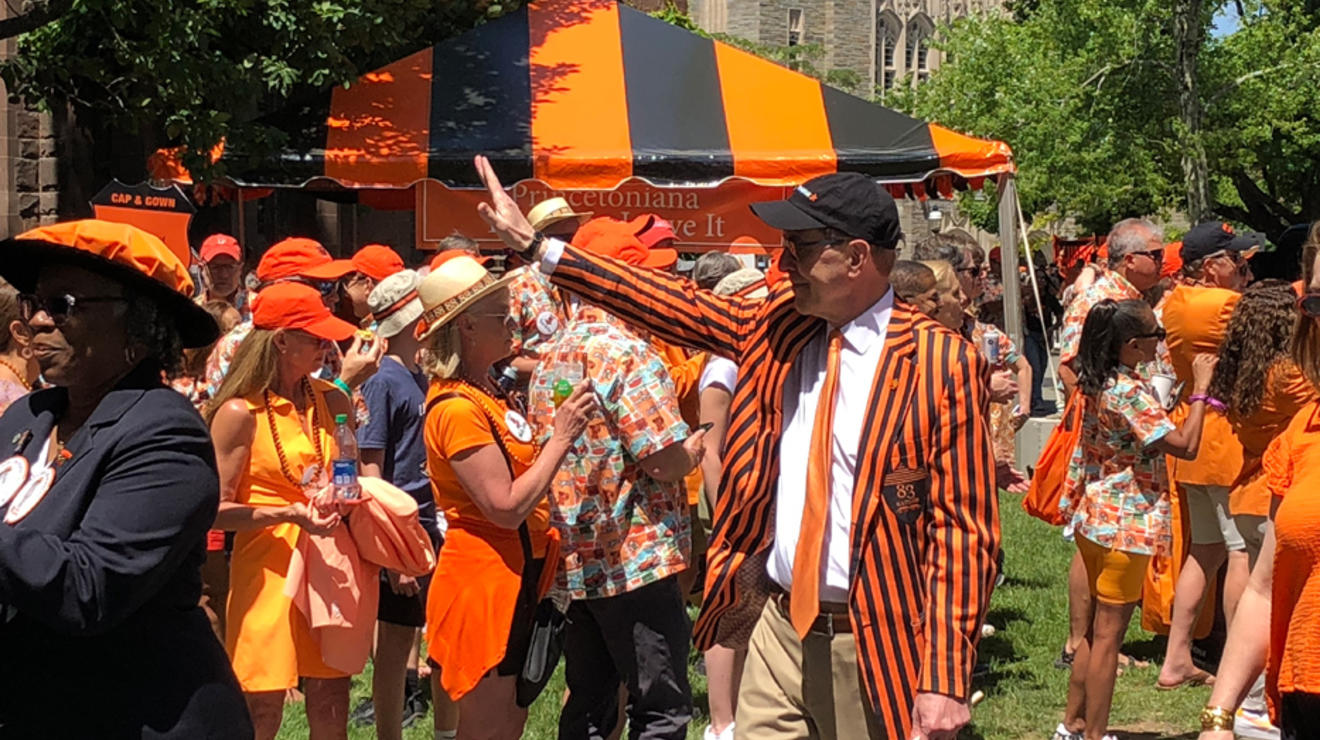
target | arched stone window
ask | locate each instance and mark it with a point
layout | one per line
(887, 31)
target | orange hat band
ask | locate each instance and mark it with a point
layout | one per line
(395, 307)
(433, 314)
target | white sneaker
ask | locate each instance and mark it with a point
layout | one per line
(709, 734)
(1061, 733)
(1254, 725)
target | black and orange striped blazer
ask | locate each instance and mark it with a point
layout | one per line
(925, 528)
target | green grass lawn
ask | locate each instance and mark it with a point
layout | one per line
(1024, 692)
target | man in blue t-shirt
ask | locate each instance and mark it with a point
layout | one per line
(391, 447)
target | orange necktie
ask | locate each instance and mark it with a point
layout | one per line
(804, 600)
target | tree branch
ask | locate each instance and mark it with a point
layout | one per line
(42, 12)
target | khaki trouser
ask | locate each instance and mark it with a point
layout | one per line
(794, 688)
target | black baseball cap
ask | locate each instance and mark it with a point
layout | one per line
(848, 202)
(1213, 237)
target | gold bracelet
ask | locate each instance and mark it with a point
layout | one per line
(1215, 719)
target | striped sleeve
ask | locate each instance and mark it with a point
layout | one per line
(666, 306)
(963, 536)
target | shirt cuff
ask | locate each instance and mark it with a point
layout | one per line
(554, 249)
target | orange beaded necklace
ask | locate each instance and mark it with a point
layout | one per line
(318, 432)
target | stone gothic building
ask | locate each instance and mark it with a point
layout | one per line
(887, 42)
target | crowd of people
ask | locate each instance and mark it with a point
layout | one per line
(227, 493)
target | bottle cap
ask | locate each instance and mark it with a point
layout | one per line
(341, 418)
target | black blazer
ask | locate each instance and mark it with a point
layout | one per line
(100, 630)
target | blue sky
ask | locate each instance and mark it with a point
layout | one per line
(1226, 21)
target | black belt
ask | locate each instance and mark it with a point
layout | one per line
(832, 619)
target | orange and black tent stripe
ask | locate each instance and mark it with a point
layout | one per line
(587, 93)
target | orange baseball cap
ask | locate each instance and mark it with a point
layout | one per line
(298, 306)
(1173, 263)
(300, 257)
(610, 237)
(134, 257)
(377, 261)
(445, 255)
(218, 245)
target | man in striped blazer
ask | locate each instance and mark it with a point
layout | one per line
(856, 538)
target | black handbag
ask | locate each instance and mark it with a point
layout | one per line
(546, 644)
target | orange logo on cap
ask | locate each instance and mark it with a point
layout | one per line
(1227, 228)
(810, 195)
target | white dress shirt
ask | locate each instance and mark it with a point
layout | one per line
(863, 342)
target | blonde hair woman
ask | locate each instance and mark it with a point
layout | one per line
(272, 426)
(491, 482)
(949, 296)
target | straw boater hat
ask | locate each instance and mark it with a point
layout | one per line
(450, 289)
(549, 212)
(394, 302)
(133, 257)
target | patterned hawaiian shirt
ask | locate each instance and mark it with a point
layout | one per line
(1118, 487)
(1109, 285)
(538, 308)
(621, 530)
(1001, 414)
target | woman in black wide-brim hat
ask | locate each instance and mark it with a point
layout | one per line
(108, 485)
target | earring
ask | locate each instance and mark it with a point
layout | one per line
(25, 353)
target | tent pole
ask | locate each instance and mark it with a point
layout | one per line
(1040, 307)
(1008, 238)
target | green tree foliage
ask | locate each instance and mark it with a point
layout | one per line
(1085, 92)
(191, 72)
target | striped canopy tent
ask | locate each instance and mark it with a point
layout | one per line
(589, 93)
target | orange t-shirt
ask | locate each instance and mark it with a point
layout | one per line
(1292, 471)
(1287, 391)
(456, 425)
(1196, 319)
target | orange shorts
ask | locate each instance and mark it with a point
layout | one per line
(1116, 577)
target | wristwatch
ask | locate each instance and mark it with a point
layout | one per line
(1216, 719)
(529, 254)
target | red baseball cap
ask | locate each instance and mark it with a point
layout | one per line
(610, 237)
(377, 261)
(217, 245)
(300, 257)
(298, 306)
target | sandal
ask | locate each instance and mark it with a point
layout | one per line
(1200, 678)
(1065, 660)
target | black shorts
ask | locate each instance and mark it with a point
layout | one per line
(408, 611)
(524, 616)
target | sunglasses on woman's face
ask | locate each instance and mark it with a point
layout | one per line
(1310, 305)
(59, 307)
(1159, 334)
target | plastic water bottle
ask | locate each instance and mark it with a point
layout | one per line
(346, 461)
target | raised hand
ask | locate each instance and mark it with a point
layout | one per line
(502, 213)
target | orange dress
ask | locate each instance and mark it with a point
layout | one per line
(1292, 473)
(1287, 392)
(469, 608)
(268, 639)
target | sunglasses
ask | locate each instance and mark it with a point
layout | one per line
(1156, 255)
(59, 307)
(796, 249)
(1159, 334)
(1310, 305)
(326, 288)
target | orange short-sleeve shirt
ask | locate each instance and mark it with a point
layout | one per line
(1292, 472)
(1287, 392)
(456, 425)
(1196, 319)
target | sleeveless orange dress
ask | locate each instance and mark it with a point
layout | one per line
(469, 607)
(268, 639)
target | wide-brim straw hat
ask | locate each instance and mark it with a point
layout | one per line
(450, 289)
(394, 302)
(124, 253)
(551, 211)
